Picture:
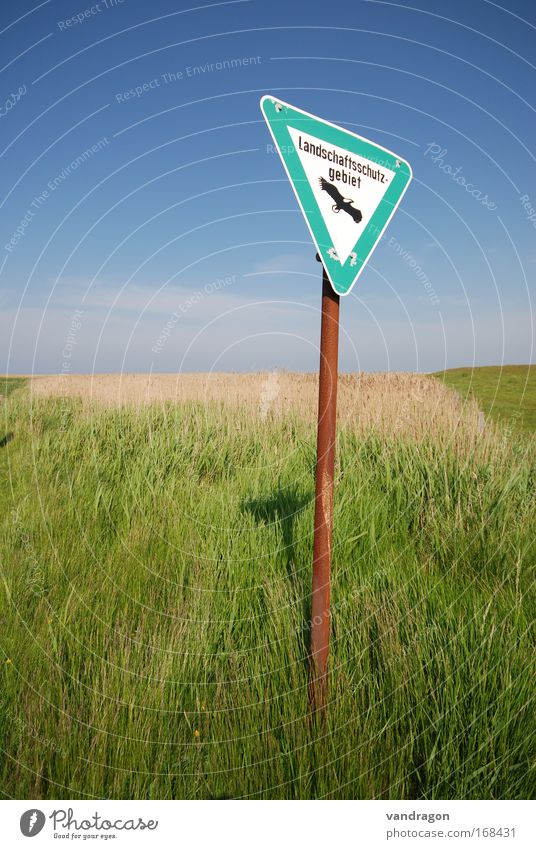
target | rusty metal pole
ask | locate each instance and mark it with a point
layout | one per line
(325, 467)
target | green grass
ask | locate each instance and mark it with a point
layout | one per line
(507, 393)
(156, 571)
(10, 384)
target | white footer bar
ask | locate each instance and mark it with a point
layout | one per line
(270, 824)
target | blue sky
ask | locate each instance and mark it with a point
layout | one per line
(176, 242)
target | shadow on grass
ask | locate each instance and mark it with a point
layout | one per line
(282, 508)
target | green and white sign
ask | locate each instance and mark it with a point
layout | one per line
(348, 187)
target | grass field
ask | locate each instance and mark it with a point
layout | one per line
(10, 384)
(507, 393)
(156, 565)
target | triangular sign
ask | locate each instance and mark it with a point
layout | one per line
(348, 187)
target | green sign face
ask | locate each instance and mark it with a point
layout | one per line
(348, 187)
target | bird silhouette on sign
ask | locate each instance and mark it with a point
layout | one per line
(346, 204)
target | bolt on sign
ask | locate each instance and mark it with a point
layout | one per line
(348, 187)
